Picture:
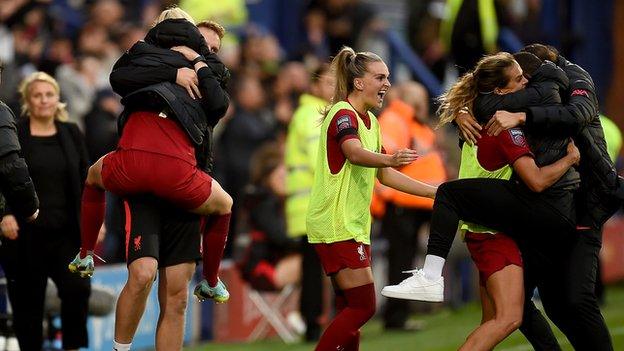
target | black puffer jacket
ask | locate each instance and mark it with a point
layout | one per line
(602, 191)
(543, 90)
(145, 78)
(15, 183)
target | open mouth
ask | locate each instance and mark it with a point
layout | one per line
(381, 94)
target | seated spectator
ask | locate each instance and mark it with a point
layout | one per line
(271, 261)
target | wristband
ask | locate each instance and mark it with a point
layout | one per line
(199, 58)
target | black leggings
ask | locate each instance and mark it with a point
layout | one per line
(558, 260)
(499, 204)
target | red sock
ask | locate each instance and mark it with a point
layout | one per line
(91, 217)
(340, 301)
(344, 331)
(213, 244)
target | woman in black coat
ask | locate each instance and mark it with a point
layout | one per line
(55, 152)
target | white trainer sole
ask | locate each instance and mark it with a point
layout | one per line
(413, 296)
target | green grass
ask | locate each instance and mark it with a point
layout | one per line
(445, 330)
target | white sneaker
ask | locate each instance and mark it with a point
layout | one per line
(417, 287)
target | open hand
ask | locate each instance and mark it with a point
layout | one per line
(187, 78)
(403, 157)
(503, 120)
(468, 126)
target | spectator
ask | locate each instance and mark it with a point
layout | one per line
(251, 125)
(271, 261)
(301, 149)
(57, 158)
(345, 21)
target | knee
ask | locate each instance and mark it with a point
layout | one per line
(140, 278)
(177, 302)
(94, 174)
(224, 203)
(365, 313)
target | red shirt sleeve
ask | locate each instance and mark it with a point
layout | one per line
(343, 126)
(513, 145)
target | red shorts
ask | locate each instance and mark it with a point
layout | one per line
(126, 172)
(343, 254)
(491, 253)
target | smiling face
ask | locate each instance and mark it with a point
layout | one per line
(42, 100)
(374, 85)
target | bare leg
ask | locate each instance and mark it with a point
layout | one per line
(133, 298)
(506, 289)
(218, 203)
(173, 298)
(288, 270)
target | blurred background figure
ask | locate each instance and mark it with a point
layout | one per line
(301, 149)
(57, 158)
(470, 30)
(251, 124)
(405, 123)
(271, 260)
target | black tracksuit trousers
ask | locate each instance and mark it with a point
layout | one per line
(560, 260)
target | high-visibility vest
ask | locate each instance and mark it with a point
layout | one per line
(613, 137)
(487, 19)
(471, 168)
(339, 204)
(301, 147)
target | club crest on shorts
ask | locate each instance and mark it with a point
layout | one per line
(137, 243)
(361, 252)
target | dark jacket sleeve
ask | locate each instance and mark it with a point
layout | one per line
(127, 77)
(15, 183)
(215, 100)
(543, 88)
(580, 109)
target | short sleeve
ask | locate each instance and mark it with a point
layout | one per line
(343, 126)
(513, 145)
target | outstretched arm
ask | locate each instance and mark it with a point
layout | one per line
(391, 177)
(357, 155)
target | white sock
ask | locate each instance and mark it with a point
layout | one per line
(121, 347)
(433, 267)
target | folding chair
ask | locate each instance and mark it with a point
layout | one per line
(270, 305)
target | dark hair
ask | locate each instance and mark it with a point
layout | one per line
(322, 69)
(542, 51)
(489, 74)
(264, 161)
(528, 62)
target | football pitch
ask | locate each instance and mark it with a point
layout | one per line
(444, 330)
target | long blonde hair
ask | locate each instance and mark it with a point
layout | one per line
(489, 74)
(173, 12)
(348, 65)
(24, 90)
